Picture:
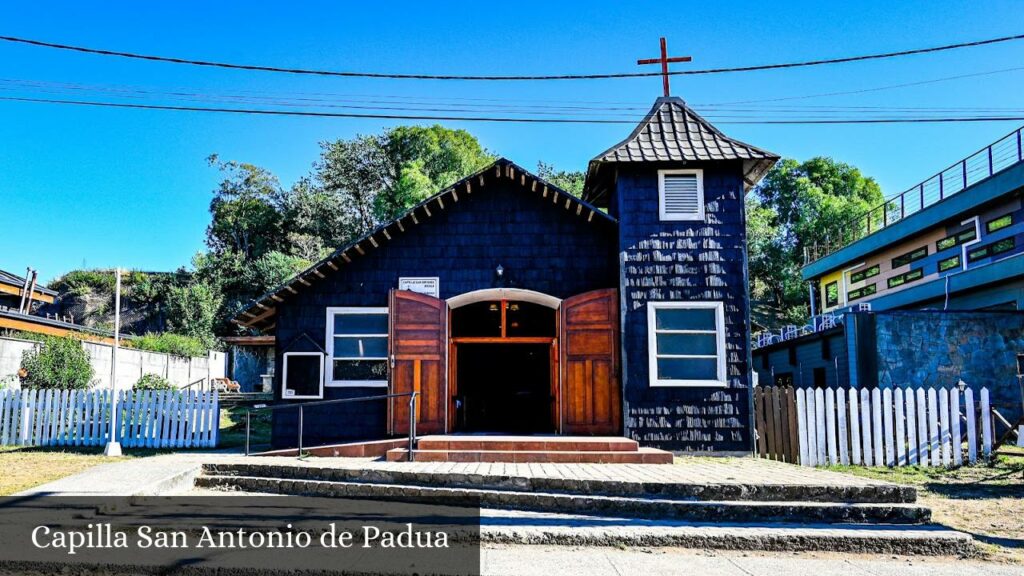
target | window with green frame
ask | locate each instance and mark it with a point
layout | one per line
(949, 263)
(865, 274)
(912, 256)
(999, 223)
(906, 278)
(861, 292)
(831, 294)
(955, 239)
(993, 249)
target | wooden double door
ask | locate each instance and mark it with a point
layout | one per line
(585, 386)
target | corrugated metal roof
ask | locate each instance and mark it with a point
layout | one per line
(673, 132)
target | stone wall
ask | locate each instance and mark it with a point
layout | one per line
(936, 348)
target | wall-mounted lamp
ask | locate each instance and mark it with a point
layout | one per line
(500, 270)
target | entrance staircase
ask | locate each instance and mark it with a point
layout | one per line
(530, 449)
(582, 505)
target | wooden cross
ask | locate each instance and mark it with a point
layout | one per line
(664, 61)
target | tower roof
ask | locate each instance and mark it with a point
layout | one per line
(673, 132)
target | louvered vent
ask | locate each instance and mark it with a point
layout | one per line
(681, 196)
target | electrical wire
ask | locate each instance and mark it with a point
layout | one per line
(317, 114)
(381, 75)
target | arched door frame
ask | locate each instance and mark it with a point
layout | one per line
(520, 294)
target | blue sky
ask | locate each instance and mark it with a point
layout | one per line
(103, 187)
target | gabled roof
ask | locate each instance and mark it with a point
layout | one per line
(673, 132)
(260, 313)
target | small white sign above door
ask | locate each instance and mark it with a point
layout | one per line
(428, 286)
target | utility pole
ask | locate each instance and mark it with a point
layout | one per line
(113, 447)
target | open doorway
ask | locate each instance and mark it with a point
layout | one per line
(503, 367)
(504, 388)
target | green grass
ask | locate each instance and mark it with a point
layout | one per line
(25, 467)
(232, 427)
(986, 500)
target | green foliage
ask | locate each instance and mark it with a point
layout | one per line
(84, 282)
(272, 269)
(246, 209)
(22, 335)
(59, 363)
(572, 181)
(170, 343)
(153, 382)
(376, 177)
(796, 205)
(192, 310)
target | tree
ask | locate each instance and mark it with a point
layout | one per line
(796, 205)
(376, 177)
(272, 269)
(194, 309)
(571, 181)
(58, 363)
(246, 210)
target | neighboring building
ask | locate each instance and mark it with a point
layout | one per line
(13, 290)
(513, 306)
(925, 292)
(18, 312)
(250, 361)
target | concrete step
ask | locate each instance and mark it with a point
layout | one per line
(365, 449)
(627, 507)
(527, 443)
(514, 527)
(757, 489)
(641, 456)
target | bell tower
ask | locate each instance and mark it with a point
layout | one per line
(676, 185)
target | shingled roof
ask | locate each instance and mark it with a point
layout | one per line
(673, 132)
(260, 313)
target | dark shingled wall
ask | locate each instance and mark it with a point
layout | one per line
(665, 261)
(542, 247)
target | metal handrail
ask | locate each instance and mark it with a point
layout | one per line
(301, 408)
(1003, 153)
(200, 382)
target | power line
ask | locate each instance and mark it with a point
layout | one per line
(32, 88)
(309, 71)
(316, 114)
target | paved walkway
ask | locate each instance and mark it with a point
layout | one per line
(559, 560)
(686, 470)
(174, 472)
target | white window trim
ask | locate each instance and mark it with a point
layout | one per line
(652, 343)
(331, 312)
(284, 377)
(661, 195)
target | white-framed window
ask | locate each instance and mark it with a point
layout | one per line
(686, 343)
(357, 346)
(303, 375)
(681, 194)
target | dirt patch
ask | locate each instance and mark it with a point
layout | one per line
(984, 501)
(24, 468)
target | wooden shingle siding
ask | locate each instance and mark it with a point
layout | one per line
(540, 248)
(680, 261)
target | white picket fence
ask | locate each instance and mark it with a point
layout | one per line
(922, 427)
(151, 419)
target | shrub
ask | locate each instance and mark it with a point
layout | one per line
(169, 343)
(153, 382)
(59, 363)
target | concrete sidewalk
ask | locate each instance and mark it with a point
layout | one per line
(606, 561)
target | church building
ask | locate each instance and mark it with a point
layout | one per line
(511, 306)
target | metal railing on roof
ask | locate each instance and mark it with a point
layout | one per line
(994, 158)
